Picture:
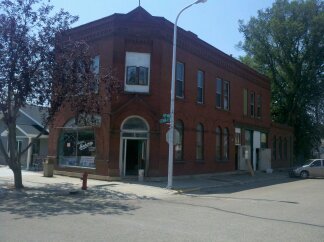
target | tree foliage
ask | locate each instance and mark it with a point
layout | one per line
(286, 43)
(39, 65)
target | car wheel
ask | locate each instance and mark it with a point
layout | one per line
(304, 174)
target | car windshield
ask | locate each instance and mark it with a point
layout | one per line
(308, 162)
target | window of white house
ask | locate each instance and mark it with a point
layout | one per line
(179, 85)
(219, 93)
(137, 72)
(18, 146)
(77, 146)
(200, 87)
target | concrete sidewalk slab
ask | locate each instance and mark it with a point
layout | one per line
(150, 187)
(33, 180)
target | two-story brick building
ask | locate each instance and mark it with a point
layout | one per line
(221, 105)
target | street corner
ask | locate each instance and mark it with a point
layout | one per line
(143, 190)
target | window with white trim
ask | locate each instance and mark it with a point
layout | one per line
(77, 145)
(137, 72)
(226, 95)
(95, 69)
(200, 87)
(179, 85)
(222, 94)
(219, 93)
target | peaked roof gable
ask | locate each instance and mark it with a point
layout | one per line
(139, 14)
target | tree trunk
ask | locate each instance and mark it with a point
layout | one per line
(14, 157)
(18, 177)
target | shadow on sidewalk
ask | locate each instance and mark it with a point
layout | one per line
(55, 200)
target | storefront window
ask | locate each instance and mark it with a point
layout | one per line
(77, 146)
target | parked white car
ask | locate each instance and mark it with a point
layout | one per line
(311, 168)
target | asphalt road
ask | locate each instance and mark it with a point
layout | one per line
(292, 210)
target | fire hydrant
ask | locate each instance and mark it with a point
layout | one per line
(84, 179)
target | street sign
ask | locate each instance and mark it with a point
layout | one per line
(176, 137)
(165, 118)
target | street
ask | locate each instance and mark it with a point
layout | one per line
(289, 210)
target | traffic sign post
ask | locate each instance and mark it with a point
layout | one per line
(165, 118)
(176, 137)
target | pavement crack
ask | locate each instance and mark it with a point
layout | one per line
(246, 215)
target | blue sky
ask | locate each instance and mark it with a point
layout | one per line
(215, 21)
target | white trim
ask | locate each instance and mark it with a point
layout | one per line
(23, 112)
(4, 133)
(123, 144)
(21, 130)
(135, 131)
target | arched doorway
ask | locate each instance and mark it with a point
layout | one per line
(134, 146)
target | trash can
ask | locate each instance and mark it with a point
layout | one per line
(48, 167)
(141, 175)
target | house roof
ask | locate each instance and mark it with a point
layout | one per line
(29, 122)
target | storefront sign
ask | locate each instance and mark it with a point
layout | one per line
(83, 145)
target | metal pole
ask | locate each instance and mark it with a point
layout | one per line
(174, 53)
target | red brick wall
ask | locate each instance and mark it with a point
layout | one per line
(281, 132)
(155, 37)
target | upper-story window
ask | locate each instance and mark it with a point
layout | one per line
(252, 103)
(245, 102)
(226, 95)
(219, 93)
(137, 72)
(180, 70)
(259, 105)
(222, 94)
(95, 69)
(200, 86)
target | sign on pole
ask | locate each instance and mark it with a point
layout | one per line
(165, 118)
(176, 137)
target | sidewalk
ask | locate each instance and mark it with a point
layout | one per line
(150, 187)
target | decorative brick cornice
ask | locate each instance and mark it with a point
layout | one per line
(140, 27)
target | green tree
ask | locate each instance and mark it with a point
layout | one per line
(286, 43)
(39, 65)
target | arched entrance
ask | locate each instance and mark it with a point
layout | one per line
(134, 146)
